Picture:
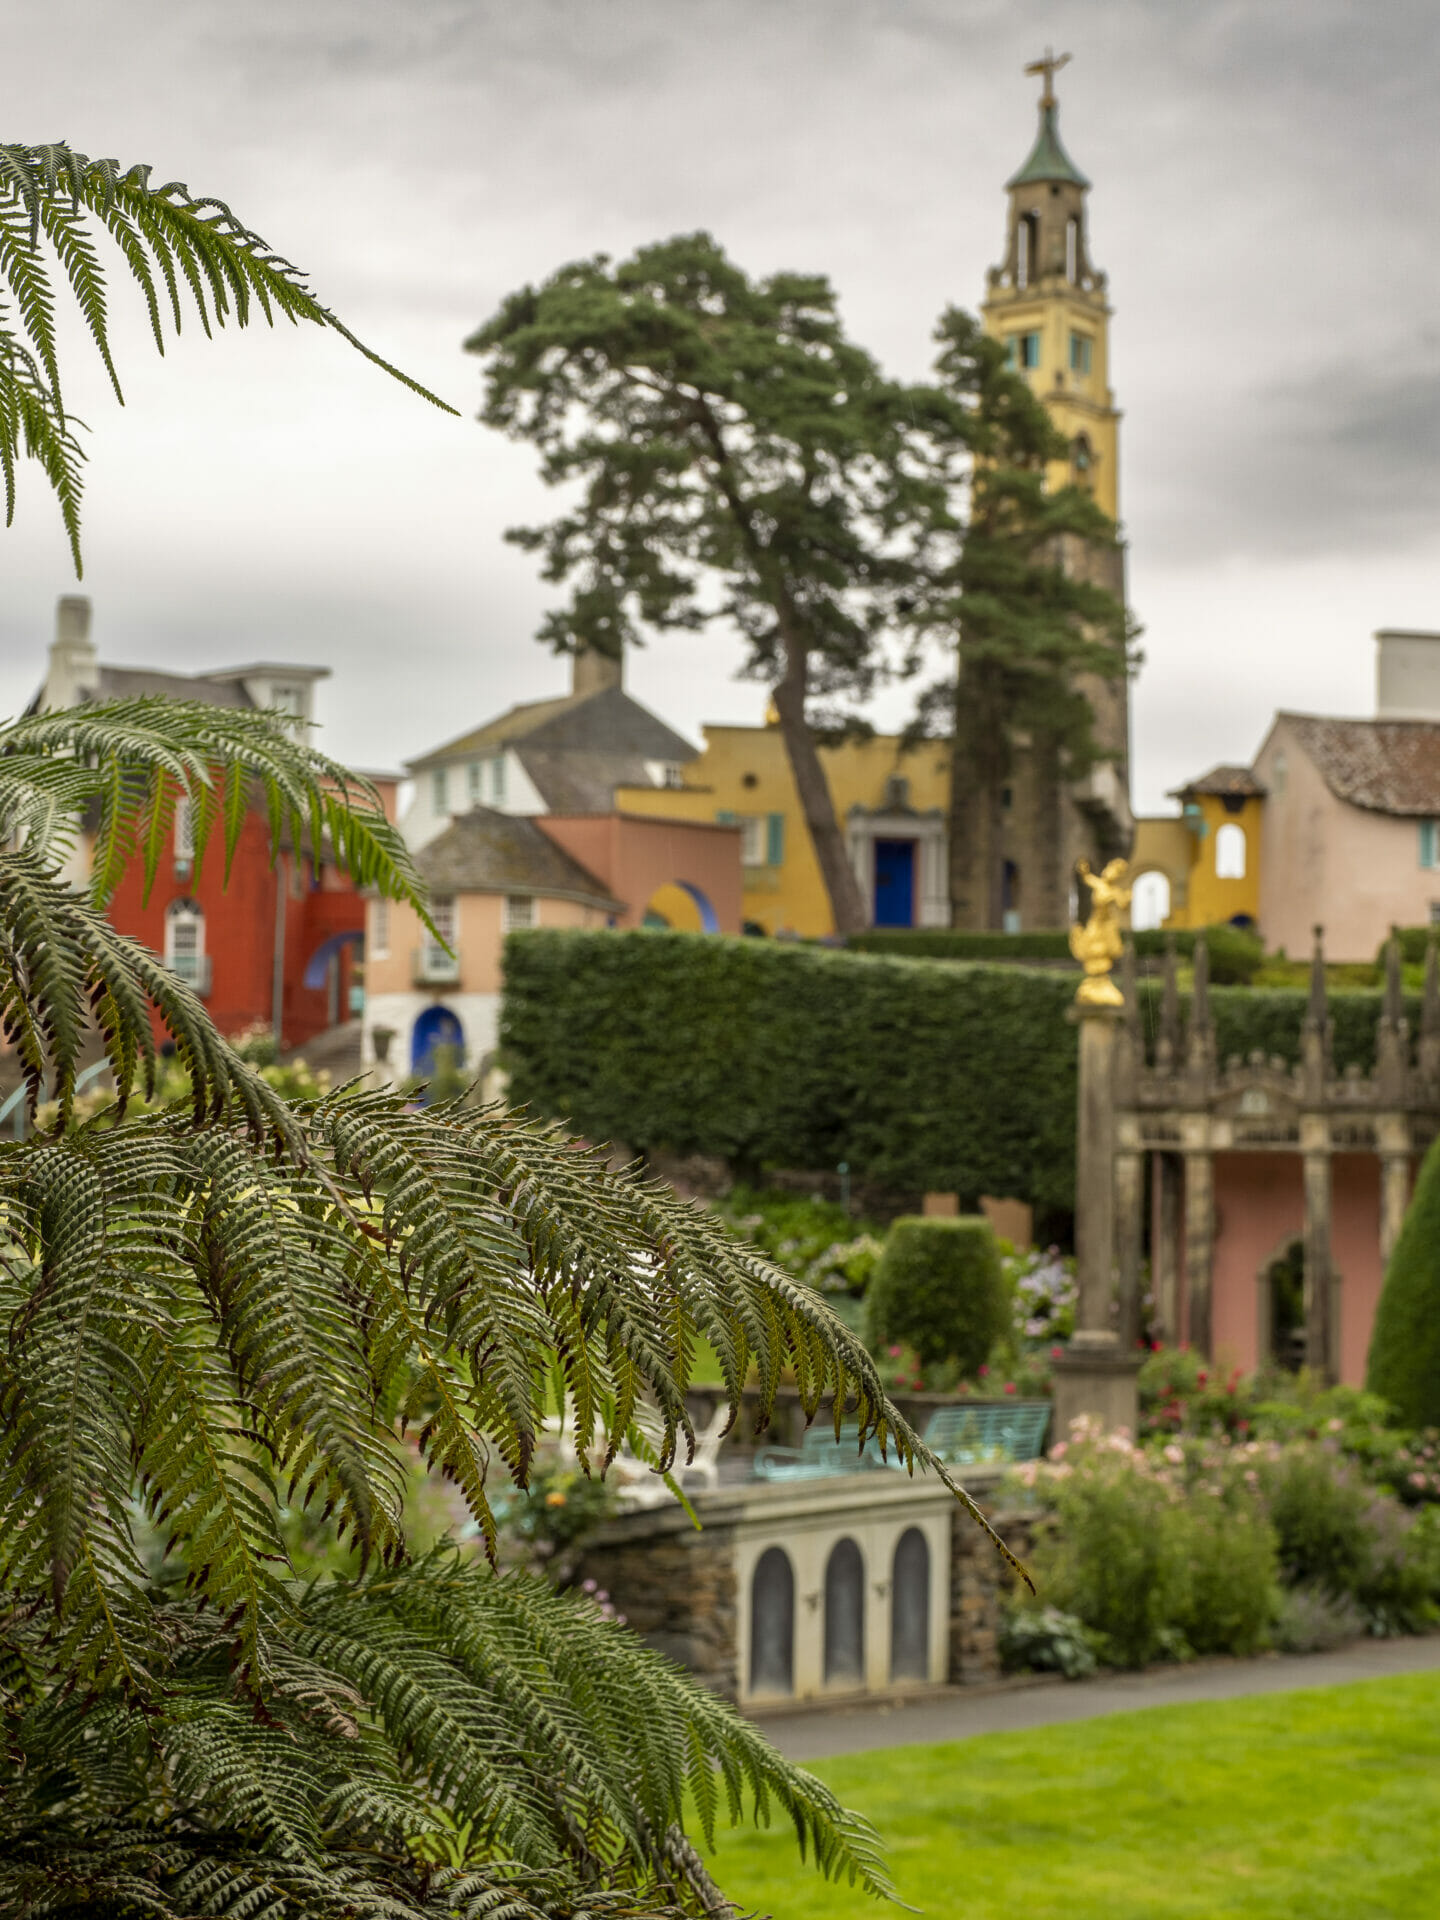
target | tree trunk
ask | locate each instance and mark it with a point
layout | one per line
(979, 763)
(847, 906)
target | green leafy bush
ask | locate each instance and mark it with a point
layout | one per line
(1404, 1363)
(1309, 1620)
(940, 1290)
(1045, 1640)
(920, 1075)
(1231, 1589)
(1319, 1507)
(1234, 954)
(815, 1239)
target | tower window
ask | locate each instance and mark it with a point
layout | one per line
(1082, 461)
(1027, 248)
(1023, 350)
(1081, 351)
(1230, 852)
(1072, 251)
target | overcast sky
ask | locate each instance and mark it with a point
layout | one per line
(1265, 186)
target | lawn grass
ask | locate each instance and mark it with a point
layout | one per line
(1322, 1805)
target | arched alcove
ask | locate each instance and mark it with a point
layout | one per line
(1150, 901)
(436, 1027)
(845, 1615)
(1230, 852)
(772, 1623)
(682, 905)
(910, 1607)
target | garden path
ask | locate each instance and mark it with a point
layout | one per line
(962, 1712)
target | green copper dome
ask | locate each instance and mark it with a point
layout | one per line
(1048, 159)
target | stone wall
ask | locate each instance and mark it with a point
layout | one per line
(980, 1583)
(675, 1588)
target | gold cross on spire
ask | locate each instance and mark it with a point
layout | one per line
(1049, 66)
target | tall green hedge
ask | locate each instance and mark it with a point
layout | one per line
(1404, 1364)
(920, 1075)
(1235, 955)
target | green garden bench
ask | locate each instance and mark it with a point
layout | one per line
(820, 1455)
(965, 1435)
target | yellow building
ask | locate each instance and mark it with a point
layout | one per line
(892, 805)
(1204, 867)
(1047, 302)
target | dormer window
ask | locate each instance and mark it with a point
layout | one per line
(288, 699)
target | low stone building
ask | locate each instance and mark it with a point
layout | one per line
(843, 1586)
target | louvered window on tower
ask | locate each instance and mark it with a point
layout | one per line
(1080, 353)
(1023, 350)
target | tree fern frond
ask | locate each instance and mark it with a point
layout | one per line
(189, 243)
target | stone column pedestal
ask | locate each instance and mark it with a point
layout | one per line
(1100, 1381)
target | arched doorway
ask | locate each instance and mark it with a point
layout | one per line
(683, 906)
(772, 1623)
(845, 1616)
(1282, 1290)
(436, 1027)
(910, 1607)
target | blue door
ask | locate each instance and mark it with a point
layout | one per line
(894, 883)
(436, 1027)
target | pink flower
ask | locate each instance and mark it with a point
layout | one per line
(1059, 1450)
(1055, 1352)
(1009, 1386)
(894, 1353)
(984, 1371)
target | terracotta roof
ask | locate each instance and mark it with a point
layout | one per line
(488, 852)
(1226, 782)
(1389, 766)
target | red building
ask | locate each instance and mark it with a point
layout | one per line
(278, 944)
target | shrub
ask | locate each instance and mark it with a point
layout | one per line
(1404, 1363)
(1309, 1620)
(1235, 955)
(1319, 1508)
(919, 1075)
(939, 1288)
(1045, 1640)
(816, 1240)
(1231, 1591)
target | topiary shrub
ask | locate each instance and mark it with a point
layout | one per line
(1404, 1365)
(940, 1289)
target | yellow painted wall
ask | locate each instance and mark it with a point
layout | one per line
(744, 773)
(1198, 896)
(1077, 402)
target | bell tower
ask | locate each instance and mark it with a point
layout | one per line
(1046, 301)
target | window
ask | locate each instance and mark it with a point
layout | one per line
(379, 928)
(497, 781)
(473, 775)
(1081, 350)
(184, 830)
(752, 840)
(1082, 461)
(442, 913)
(185, 942)
(1150, 902)
(289, 700)
(1278, 774)
(1072, 252)
(1435, 913)
(775, 840)
(1023, 350)
(1027, 249)
(1429, 844)
(440, 791)
(1230, 852)
(519, 911)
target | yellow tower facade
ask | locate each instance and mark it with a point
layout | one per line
(1047, 302)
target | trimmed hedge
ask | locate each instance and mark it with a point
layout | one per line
(1404, 1364)
(940, 1289)
(1235, 955)
(922, 1076)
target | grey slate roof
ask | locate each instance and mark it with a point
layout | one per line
(1388, 766)
(1226, 781)
(129, 683)
(488, 852)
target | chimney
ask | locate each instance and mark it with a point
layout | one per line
(1407, 675)
(74, 669)
(592, 672)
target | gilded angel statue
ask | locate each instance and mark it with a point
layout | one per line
(1097, 944)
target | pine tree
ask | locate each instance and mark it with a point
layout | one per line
(242, 1304)
(1404, 1362)
(737, 457)
(1031, 635)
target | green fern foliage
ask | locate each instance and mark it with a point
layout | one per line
(243, 1304)
(182, 251)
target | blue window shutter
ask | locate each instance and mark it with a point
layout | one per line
(725, 818)
(1427, 843)
(775, 840)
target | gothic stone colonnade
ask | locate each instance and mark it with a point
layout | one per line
(1249, 1156)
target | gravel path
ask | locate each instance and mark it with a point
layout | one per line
(961, 1712)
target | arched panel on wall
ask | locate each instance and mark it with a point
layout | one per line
(1150, 901)
(436, 1027)
(1230, 852)
(910, 1608)
(845, 1615)
(772, 1623)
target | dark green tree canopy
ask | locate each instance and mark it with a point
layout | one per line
(735, 457)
